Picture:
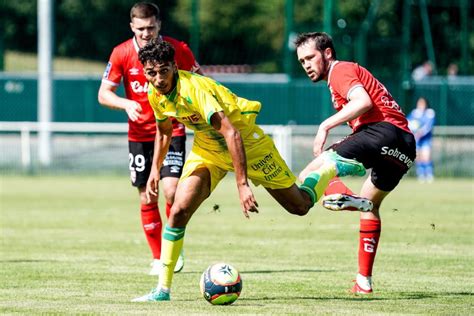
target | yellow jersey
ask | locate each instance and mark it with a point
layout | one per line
(195, 99)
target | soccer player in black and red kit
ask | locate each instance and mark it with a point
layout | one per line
(381, 139)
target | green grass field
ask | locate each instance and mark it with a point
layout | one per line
(74, 245)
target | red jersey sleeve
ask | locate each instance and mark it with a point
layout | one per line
(344, 79)
(114, 71)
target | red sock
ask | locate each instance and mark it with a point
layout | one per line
(168, 209)
(337, 186)
(152, 225)
(368, 241)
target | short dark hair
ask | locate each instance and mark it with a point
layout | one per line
(156, 52)
(143, 10)
(321, 41)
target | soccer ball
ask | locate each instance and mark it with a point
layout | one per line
(221, 284)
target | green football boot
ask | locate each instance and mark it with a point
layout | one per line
(344, 166)
(155, 295)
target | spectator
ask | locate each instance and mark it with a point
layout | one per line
(422, 71)
(452, 70)
(421, 121)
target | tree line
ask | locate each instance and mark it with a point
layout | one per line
(243, 31)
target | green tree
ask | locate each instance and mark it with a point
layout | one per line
(247, 31)
(236, 32)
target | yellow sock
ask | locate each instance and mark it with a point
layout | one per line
(171, 246)
(316, 182)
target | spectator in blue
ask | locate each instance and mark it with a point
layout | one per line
(421, 121)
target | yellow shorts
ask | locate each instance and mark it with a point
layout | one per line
(265, 166)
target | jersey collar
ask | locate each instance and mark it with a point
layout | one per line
(172, 97)
(135, 42)
(330, 70)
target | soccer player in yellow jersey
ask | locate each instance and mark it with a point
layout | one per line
(226, 138)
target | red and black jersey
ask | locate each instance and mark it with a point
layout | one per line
(344, 77)
(124, 64)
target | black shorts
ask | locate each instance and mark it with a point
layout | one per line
(174, 160)
(387, 149)
(140, 158)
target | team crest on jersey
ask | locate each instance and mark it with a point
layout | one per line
(107, 70)
(134, 71)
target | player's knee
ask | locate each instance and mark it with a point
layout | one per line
(144, 200)
(178, 216)
(169, 193)
(169, 198)
(298, 209)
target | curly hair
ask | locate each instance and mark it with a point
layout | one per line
(321, 41)
(156, 52)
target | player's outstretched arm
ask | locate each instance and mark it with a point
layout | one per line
(164, 131)
(237, 151)
(108, 97)
(359, 103)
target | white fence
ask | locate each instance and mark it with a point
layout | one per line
(28, 134)
(102, 147)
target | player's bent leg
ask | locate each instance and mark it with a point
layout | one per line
(191, 192)
(328, 165)
(294, 200)
(316, 182)
(314, 165)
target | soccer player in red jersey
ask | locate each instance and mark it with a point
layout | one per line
(381, 139)
(124, 65)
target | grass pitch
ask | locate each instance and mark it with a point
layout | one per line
(73, 245)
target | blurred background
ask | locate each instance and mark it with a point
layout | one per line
(245, 44)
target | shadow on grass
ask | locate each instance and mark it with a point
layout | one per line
(288, 271)
(417, 295)
(270, 271)
(395, 296)
(316, 298)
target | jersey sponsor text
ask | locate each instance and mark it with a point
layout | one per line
(397, 154)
